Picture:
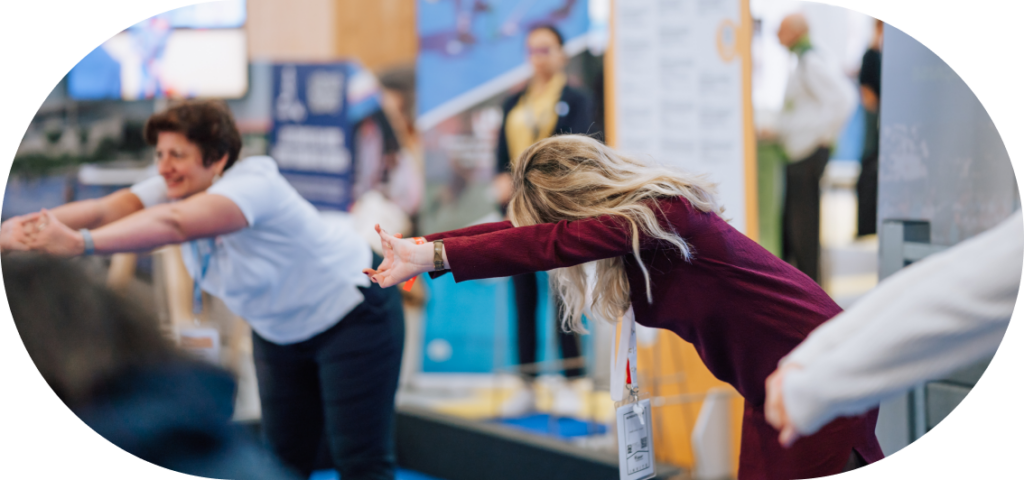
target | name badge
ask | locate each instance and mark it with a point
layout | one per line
(632, 419)
(636, 445)
(201, 342)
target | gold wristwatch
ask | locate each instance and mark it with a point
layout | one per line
(438, 257)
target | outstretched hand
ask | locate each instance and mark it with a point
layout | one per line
(402, 260)
(55, 238)
(775, 407)
(16, 232)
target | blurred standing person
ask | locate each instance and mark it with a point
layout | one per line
(871, 98)
(548, 106)
(106, 360)
(817, 104)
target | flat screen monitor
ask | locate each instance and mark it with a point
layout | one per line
(210, 14)
(197, 51)
(186, 64)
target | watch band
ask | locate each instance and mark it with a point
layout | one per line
(438, 257)
(90, 247)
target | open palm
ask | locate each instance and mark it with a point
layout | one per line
(401, 261)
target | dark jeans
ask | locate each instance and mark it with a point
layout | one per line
(525, 287)
(341, 383)
(801, 216)
(867, 195)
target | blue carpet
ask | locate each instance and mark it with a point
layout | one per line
(401, 474)
(561, 428)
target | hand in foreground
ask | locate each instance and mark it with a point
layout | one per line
(15, 232)
(55, 238)
(402, 260)
(775, 406)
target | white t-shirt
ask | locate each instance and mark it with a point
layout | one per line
(290, 274)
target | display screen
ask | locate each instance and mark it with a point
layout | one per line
(196, 51)
(220, 14)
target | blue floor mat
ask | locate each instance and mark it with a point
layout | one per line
(401, 474)
(561, 427)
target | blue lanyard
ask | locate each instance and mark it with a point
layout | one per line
(204, 262)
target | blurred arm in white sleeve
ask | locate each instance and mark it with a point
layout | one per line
(929, 319)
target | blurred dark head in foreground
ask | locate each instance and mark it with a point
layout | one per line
(79, 334)
(105, 358)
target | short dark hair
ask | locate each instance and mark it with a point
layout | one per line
(551, 28)
(207, 123)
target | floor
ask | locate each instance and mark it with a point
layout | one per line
(849, 264)
(401, 474)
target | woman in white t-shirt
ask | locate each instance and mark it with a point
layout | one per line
(327, 343)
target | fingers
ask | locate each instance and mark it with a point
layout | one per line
(788, 436)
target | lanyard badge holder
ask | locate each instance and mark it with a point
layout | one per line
(632, 416)
(202, 342)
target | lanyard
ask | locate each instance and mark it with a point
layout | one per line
(204, 264)
(624, 363)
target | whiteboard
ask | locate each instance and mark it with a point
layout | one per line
(680, 98)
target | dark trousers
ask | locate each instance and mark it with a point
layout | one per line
(526, 293)
(340, 386)
(801, 216)
(867, 195)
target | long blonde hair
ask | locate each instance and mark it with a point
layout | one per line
(572, 177)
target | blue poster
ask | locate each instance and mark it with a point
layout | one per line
(467, 43)
(310, 137)
(315, 109)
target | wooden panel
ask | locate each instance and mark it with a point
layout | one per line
(121, 272)
(380, 34)
(680, 373)
(283, 31)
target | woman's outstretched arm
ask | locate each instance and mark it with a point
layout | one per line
(202, 215)
(470, 231)
(98, 212)
(508, 251)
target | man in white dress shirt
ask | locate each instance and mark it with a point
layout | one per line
(819, 99)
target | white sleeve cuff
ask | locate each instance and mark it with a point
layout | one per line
(805, 409)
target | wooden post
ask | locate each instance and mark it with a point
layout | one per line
(175, 285)
(121, 272)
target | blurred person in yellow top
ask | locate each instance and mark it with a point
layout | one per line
(548, 106)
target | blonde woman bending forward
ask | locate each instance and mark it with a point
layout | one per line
(660, 245)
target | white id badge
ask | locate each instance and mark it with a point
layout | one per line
(201, 342)
(636, 444)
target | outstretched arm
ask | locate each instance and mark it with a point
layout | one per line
(98, 212)
(470, 230)
(508, 251)
(934, 316)
(202, 215)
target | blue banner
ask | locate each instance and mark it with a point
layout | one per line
(315, 109)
